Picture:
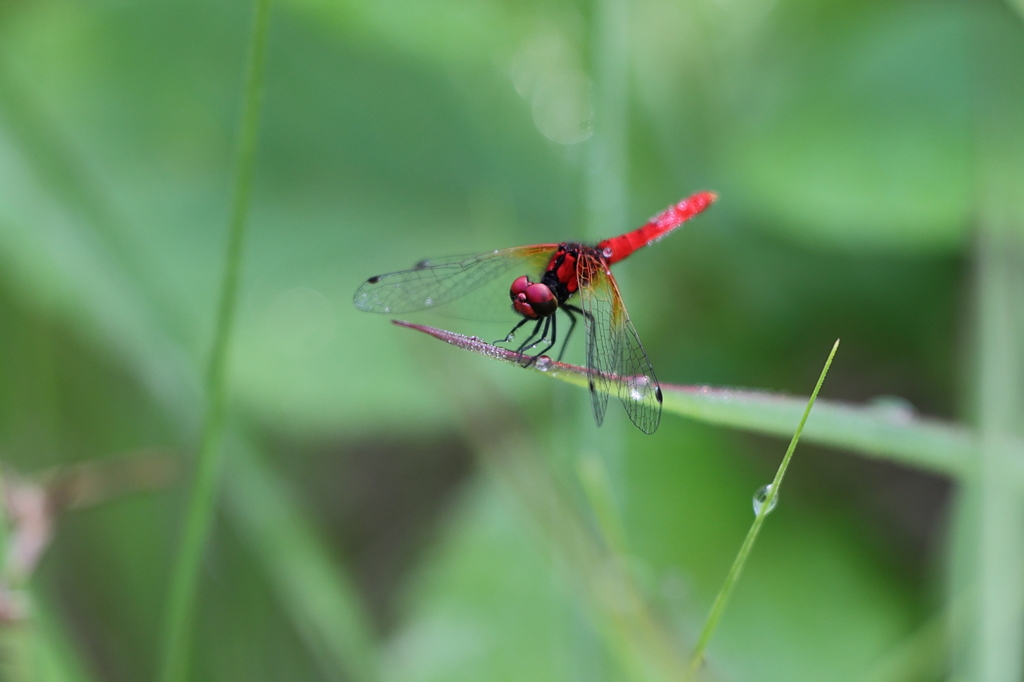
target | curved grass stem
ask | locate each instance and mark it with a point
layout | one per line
(748, 543)
(181, 601)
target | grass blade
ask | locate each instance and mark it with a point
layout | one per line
(180, 610)
(871, 430)
(748, 543)
(989, 543)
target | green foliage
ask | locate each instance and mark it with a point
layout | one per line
(867, 160)
(181, 599)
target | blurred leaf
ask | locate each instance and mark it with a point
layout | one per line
(451, 31)
(490, 602)
(57, 255)
(38, 649)
(923, 655)
(848, 126)
(324, 605)
(485, 605)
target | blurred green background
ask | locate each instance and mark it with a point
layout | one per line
(394, 509)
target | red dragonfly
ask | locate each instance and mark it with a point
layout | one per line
(616, 360)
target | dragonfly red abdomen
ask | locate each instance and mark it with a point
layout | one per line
(615, 249)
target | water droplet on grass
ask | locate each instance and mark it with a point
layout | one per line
(761, 496)
(895, 408)
(543, 363)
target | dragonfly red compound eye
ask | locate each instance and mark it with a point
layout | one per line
(616, 361)
(519, 286)
(532, 299)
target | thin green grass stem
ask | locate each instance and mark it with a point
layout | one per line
(606, 188)
(181, 604)
(748, 543)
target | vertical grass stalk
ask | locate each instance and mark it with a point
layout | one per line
(606, 183)
(748, 543)
(993, 506)
(181, 605)
(604, 190)
(988, 548)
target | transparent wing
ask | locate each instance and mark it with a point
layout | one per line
(439, 281)
(639, 390)
(602, 350)
(615, 357)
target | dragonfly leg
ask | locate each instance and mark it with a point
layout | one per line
(551, 341)
(530, 342)
(569, 310)
(549, 323)
(511, 334)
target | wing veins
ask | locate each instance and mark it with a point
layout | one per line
(439, 281)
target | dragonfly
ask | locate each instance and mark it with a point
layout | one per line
(570, 277)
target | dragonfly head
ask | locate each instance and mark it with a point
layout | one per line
(532, 299)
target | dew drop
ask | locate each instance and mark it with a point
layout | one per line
(429, 301)
(543, 363)
(761, 496)
(607, 253)
(387, 309)
(509, 338)
(894, 408)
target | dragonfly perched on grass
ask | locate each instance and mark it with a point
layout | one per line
(570, 277)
